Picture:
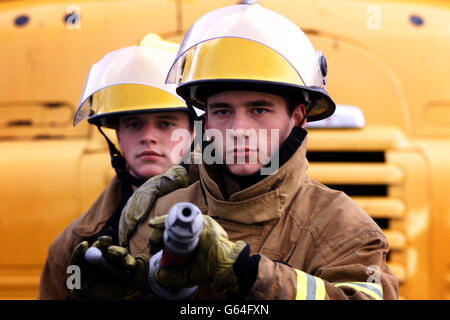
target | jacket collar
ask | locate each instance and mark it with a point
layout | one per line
(261, 202)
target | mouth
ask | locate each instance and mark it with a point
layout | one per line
(242, 151)
(245, 149)
(149, 155)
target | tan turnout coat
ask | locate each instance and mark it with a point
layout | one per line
(305, 233)
(314, 241)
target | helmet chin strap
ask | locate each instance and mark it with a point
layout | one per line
(308, 109)
(119, 164)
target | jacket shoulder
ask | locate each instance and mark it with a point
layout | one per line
(335, 220)
(336, 207)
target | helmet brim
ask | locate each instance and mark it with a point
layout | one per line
(196, 93)
(109, 120)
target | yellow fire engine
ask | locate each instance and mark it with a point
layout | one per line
(387, 146)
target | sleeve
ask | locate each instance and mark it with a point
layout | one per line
(357, 273)
(53, 277)
(53, 283)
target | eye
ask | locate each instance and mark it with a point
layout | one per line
(133, 125)
(222, 112)
(260, 110)
(166, 124)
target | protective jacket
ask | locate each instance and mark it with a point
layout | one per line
(86, 227)
(313, 242)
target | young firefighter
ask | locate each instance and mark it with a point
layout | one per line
(125, 91)
(276, 236)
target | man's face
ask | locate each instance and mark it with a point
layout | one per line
(145, 140)
(253, 126)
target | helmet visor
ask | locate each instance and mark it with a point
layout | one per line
(131, 65)
(264, 28)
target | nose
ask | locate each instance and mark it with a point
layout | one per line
(149, 134)
(240, 130)
(240, 121)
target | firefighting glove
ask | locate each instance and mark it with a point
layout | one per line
(142, 200)
(211, 262)
(120, 276)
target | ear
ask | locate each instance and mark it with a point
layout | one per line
(298, 114)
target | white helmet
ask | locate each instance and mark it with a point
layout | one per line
(255, 48)
(130, 80)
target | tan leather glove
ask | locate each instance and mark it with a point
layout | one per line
(124, 278)
(211, 262)
(141, 202)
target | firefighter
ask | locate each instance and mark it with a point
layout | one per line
(124, 91)
(269, 230)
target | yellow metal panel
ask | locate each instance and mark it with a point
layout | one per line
(396, 239)
(37, 200)
(381, 207)
(438, 113)
(37, 119)
(355, 173)
(402, 88)
(437, 154)
(47, 59)
(194, 9)
(398, 270)
(372, 138)
(416, 226)
(50, 172)
(415, 60)
(18, 283)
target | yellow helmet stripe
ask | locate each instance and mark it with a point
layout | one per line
(132, 97)
(219, 59)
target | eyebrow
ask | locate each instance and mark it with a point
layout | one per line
(216, 105)
(259, 103)
(252, 103)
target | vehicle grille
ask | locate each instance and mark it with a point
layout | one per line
(356, 162)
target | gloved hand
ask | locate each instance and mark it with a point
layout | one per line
(141, 202)
(211, 262)
(128, 281)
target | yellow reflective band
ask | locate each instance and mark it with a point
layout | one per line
(320, 289)
(309, 287)
(301, 285)
(373, 290)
